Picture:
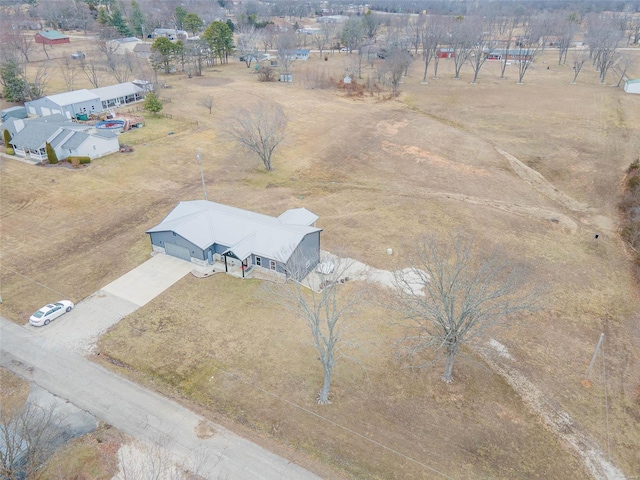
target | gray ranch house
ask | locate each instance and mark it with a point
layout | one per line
(204, 232)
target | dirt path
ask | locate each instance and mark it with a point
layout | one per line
(541, 184)
(572, 434)
(557, 421)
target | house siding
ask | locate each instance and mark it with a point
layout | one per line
(44, 106)
(103, 146)
(308, 250)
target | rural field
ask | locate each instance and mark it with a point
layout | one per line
(380, 173)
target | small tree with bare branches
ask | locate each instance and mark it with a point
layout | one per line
(326, 308)
(259, 130)
(451, 297)
(207, 102)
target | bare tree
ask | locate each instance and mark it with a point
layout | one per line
(326, 309)
(247, 43)
(393, 68)
(431, 36)
(40, 81)
(483, 41)
(266, 73)
(27, 438)
(328, 32)
(579, 57)
(603, 37)
(14, 41)
(259, 130)
(207, 102)
(621, 66)
(91, 68)
(68, 71)
(451, 298)
(526, 51)
(462, 40)
(286, 45)
(564, 29)
(508, 29)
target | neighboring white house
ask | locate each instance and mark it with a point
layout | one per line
(68, 139)
(85, 102)
(632, 86)
(170, 33)
(122, 45)
(118, 95)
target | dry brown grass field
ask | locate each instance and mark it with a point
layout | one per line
(379, 173)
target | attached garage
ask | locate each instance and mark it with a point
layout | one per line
(177, 251)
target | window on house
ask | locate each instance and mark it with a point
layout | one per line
(259, 261)
(272, 264)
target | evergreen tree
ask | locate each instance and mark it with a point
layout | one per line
(137, 18)
(231, 26)
(192, 23)
(119, 23)
(51, 154)
(103, 17)
(219, 37)
(152, 103)
(180, 14)
(7, 138)
(15, 87)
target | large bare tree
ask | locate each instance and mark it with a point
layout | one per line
(462, 39)
(603, 36)
(484, 40)
(579, 57)
(259, 129)
(326, 309)
(432, 34)
(452, 296)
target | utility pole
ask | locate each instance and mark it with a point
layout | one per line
(199, 157)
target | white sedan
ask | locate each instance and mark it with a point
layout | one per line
(50, 312)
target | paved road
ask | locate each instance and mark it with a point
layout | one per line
(135, 410)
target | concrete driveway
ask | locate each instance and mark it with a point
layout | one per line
(79, 329)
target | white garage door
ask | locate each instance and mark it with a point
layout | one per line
(177, 251)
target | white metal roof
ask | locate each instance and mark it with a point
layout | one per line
(69, 98)
(204, 223)
(115, 91)
(298, 216)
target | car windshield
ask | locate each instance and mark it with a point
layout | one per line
(38, 314)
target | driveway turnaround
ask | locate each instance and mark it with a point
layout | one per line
(80, 329)
(137, 411)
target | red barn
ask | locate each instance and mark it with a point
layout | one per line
(445, 53)
(52, 37)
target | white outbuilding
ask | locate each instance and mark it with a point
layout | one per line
(632, 86)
